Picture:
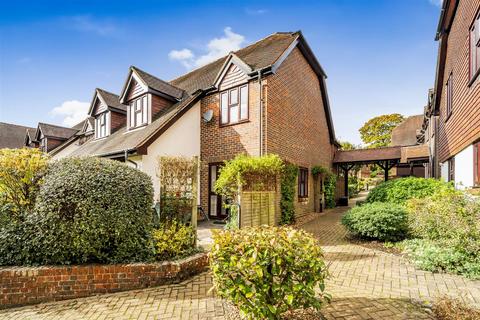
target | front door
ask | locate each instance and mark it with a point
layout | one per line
(216, 209)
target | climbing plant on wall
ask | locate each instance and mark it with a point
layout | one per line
(287, 189)
(329, 184)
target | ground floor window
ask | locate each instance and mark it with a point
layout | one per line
(451, 169)
(303, 183)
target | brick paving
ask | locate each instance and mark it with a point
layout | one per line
(365, 284)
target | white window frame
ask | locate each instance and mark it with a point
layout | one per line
(138, 108)
(225, 97)
(101, 125)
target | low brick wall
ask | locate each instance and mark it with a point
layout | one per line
(30, 285)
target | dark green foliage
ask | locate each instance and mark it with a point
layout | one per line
(400, 190)
(381, 221)
(330, 184)
(92, 210)
(288, 187)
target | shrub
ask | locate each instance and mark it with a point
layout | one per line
(288, 186)
(21, 171)
(403, 189)
(385, 222)
(93, 210)
(330, 185)
(267, 271)
(446, 308)
(174, 240)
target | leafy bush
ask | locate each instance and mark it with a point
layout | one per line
(288, 187)
(386, 222)
(446, 308)
(92, 210)
(448, 225)
(330, 184)
(401, 190)
(21, 171)
(442, 255)
(267, 271)
(174, 240)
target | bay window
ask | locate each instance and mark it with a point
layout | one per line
(234, 105)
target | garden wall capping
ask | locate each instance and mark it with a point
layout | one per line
(30, 285)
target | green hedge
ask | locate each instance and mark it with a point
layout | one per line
(288, 186)
(174, 240)
(92, 210)
(266, 271)
(381, 221)
(400, 190)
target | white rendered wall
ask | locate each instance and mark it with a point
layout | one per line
(444, 171)
(464, 168)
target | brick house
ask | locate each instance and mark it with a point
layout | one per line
(452, 120)
(269, 97)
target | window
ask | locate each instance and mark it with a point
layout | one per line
(451, 169)
(475, 47)
(101, 125)
(303, 183)
(138, 112)
(449, 95)
(476, 164)
(234, 105)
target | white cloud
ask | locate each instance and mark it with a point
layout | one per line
(87, 23)
(215, 48)
(72, 111)
(255, 12)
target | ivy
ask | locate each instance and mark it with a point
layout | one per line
(329, 181)
(287, 189)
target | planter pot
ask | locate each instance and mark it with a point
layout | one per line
(231, 312)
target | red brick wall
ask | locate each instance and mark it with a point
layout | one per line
(463, 127)
(20, 286)
(117, 121)
(296, 127)
(218, 143)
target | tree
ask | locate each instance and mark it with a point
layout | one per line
(377, 132)
(347, 145)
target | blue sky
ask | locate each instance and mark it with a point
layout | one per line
(379, 56)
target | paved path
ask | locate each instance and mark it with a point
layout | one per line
(365, 283)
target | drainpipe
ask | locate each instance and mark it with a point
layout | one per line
(126, 159)
(260, 104)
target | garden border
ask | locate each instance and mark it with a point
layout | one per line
(30, 285)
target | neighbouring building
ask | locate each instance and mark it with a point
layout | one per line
(13, 136)
(456, 103)
(269, 97)
(47, 137)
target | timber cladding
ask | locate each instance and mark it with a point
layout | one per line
(30, 285)
(462, 128)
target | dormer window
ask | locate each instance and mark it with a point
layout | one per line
(101, 125)
(138, 112)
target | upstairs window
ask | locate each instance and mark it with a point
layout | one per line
(101, 125)
(303, 183)
(138, 112)
(449, 95)
(234, 105)
(475, 47)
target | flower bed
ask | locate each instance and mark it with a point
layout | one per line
(30, 285)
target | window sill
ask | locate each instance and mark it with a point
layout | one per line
(233, 124)
(475, 76)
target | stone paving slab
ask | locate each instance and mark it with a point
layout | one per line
(365, 284)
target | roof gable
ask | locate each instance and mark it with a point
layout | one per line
(103, 100)
(233, 71)
(54, 131)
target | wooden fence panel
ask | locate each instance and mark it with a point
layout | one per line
(258, 208)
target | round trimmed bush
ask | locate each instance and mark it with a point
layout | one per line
(268, 271)
(92, 210)
(381, 221)
(403, 189)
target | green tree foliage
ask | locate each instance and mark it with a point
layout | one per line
(21, 172)
(288, 186)
(382, 221)
(346, 145)
(267, 271)
(377, 132)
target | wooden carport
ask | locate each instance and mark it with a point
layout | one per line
(386, 158)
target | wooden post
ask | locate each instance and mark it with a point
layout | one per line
(195, 194)
(386, 170)
(345, 170)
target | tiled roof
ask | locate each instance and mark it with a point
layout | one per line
(122, 140)
(158, 84)
(405, 134)
(51, 130)
(112, 100)
(258, 55)
(12, 135)
(364, 155)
